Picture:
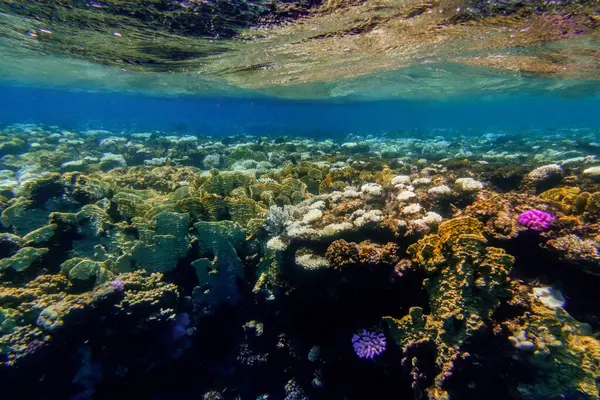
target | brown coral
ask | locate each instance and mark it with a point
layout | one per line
(40, 310)
(573, 248)
(341, 253)
(499, 212)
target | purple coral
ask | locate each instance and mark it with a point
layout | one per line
(368, 344)
(117, 284)
(536, 220)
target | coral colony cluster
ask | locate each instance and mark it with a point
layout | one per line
(240, 268)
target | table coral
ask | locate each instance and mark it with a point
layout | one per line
(23, 259)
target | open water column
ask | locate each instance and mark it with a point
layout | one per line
(299, 199)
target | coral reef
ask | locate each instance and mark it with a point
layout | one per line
(43, 311)
(461, 267)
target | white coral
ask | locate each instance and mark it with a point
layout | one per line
(405, 195)
(432, 218)
(212, 161)
(401, 179)
(312, 216)
(318, 205)
(412, 209)
(348, 193)
(334, 229)
(297, 230)
(421, 181)
(441, 190)
(468, 184)
(278, 218)
(311, 261)
(362, 217)
(545, 172)
(372, 189)
(592, 171)
(277, 244)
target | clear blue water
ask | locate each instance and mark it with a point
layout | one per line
(263, 115)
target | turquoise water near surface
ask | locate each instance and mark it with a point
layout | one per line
(264, 115)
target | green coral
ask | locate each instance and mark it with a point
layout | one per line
(23, 259)
(9, 319)
(242, 210)
(80, 269)
(217, 275)
(23, 217)
(132, 204)
(293, 189)
(592, 206)
(88, 189)
(160, 249)
(258, 189)
(222, 183)
(45, 187)
(269, 279)
(41, 235)
(12, 146)
(95, 230)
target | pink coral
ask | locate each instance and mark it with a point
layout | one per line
(536, 220)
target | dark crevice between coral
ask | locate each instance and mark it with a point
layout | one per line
(533, 263)
(505, 178)
(184, 275)
(327, 307)
(419, 364)
(490, 371)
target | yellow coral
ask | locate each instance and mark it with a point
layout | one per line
(458, 262)
(244, 209)
(570, 353)
(568, 199)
